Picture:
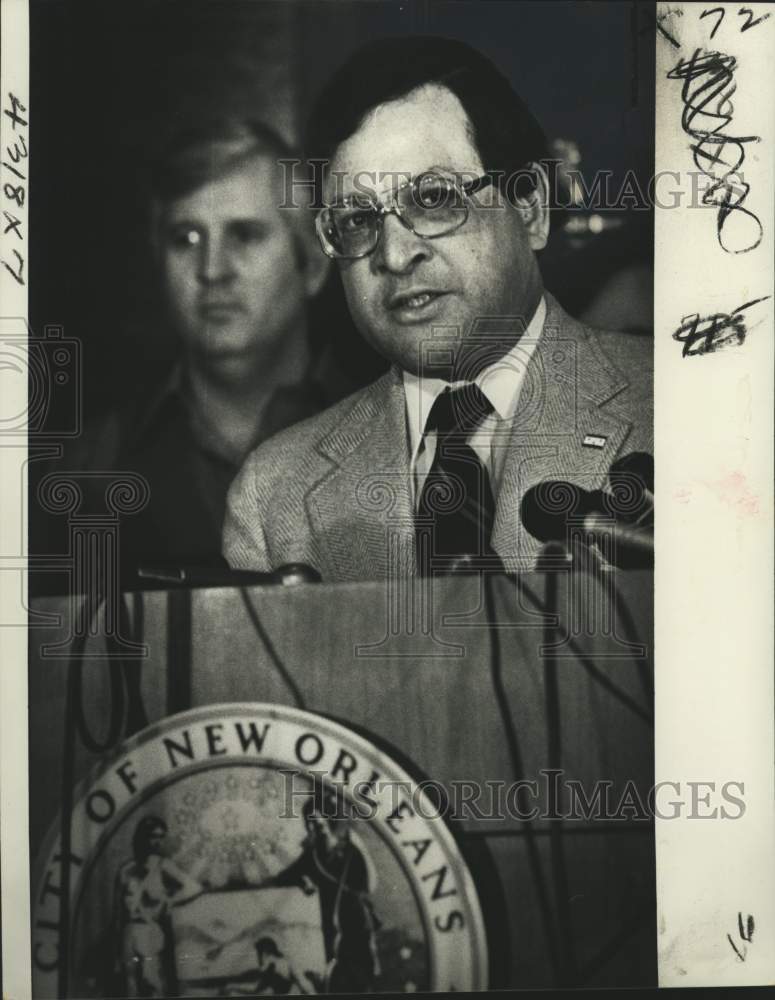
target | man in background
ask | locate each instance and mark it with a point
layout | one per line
(238, 270)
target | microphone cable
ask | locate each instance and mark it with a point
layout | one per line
(274, 657)
(517, 764)
(559, 939)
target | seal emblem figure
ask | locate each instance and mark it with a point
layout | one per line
(251, 850)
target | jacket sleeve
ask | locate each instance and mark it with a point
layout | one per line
(245, 544)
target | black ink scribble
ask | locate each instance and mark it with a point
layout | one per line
(707, 95)
(711, 333)
(746, 934)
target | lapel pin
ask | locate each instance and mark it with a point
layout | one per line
(594, 441)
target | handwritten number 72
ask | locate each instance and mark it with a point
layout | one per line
(750, 23)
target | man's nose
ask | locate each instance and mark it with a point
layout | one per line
(215, 261)
(399, 250)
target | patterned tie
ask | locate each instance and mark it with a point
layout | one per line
(456, 512)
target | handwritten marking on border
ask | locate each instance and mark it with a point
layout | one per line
(707, 95)
(703, 336)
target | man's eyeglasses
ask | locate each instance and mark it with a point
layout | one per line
(430, 205)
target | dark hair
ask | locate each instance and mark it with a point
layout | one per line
(142, 834)
(209, 151)
(267, 945)
(504, 130)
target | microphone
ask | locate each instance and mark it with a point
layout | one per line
(631, 480)
(548, 508)
(637, 465)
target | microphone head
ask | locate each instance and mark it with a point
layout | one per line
(631, 488)
(547, 506)
(637, 465)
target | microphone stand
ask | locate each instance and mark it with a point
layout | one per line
(551, 640)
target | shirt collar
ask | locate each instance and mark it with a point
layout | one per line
(169, 402)
(501, 383)
(287, 405)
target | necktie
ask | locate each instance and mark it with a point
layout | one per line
(456, 511)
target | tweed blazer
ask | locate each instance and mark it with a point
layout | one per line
(334, 491)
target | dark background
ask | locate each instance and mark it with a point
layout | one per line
(111, 81)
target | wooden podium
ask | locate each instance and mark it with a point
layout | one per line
(545, 679)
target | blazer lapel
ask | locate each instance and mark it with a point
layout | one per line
(361, 511)
(564, 430)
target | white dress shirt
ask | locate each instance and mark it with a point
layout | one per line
(501, 383)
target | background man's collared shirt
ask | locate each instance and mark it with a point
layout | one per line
(501, 383)
(186, 463)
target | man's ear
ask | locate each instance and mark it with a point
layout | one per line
(534, 209)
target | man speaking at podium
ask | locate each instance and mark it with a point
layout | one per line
(436, 201)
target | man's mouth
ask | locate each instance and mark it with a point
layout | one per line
(414, 304)
(219, 312)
